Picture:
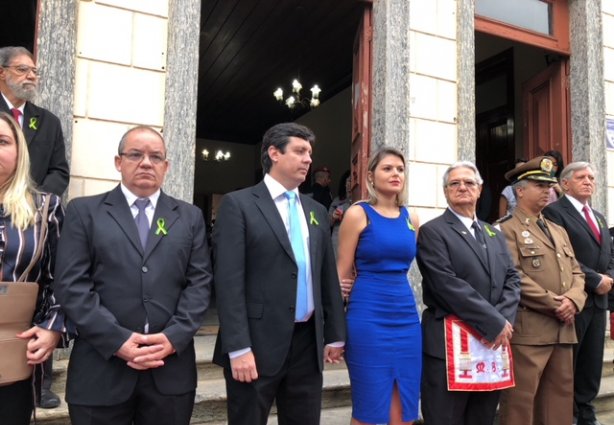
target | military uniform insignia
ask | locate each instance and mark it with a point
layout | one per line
(536, 262)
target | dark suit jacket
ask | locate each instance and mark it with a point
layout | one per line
(456, 281)
(43, 133)
(108, 285)
(594, 257)
(255, 279)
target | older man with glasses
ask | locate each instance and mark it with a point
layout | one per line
(467, 272)
(19, 79)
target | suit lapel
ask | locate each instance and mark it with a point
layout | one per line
(573, 213)
(119, 210)
(164, 217)
(460, 228)
(269, 212)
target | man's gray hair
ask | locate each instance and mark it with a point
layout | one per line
(9, 52)
(571, 168)
(462, 164)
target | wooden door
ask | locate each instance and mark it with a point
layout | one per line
(546, 111)
(361, 103)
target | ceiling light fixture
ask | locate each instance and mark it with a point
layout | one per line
(219, 155)
(295, 100)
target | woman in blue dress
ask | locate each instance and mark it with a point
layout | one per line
(377, 243)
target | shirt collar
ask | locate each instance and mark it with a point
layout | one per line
(577, 204)
(276, 189)
(465, 220)
(11, 106)
(131, 197)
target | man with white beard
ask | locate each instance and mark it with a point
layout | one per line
(19, 78)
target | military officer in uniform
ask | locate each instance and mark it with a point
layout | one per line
(552, 294)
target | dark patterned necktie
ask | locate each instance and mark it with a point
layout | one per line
(142, 223)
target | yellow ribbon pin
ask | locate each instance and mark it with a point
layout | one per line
(161, 229)
(312, 218)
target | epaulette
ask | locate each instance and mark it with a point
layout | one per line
(503, 219)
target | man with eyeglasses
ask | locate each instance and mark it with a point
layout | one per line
(134, 273)
(467, 272)
(48, 166)
(19, 80)
(552, 294)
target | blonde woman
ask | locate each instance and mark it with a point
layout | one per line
(377, 243)
(20, 224)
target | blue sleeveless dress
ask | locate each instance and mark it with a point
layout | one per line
(384, 343)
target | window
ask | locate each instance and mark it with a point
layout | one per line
(542, 23)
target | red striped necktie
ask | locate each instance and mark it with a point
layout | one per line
(591, 223)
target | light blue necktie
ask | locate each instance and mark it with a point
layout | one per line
(298, 247)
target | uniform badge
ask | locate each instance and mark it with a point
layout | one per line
(536, 263)
(528, 241)
(525, 234)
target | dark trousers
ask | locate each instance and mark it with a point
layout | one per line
(443, 407)
(147, 406)
(296, 388)
(588, 361)
(16, 403)
(47, 378)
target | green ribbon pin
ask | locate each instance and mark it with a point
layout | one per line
(161, 229)
(33, 123)
(490, 232)
(410, 226)
(312, 218)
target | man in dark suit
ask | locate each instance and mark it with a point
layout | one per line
(278, 295)
(467, 272)
(133, 274)
(588, 232)
(18, 85)
(48, 167)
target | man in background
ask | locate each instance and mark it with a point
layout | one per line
(19, 78)
(321, 186)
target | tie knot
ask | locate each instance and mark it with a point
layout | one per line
(291, 196)
(16, 114)
(475, 226)
(141, 203)
(585, 209)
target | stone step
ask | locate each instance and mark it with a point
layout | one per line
(210, 404)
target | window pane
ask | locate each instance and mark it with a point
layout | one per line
(534, 15)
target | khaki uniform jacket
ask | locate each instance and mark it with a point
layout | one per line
(546, 270)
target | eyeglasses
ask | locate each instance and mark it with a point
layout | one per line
(22, 70)
(469, 184)
(135, 156)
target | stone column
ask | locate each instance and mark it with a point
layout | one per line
(465, 37)
(56, 41)
(586, 84)
(181, 96)
(390, 83)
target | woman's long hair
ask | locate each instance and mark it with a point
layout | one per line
(374, 162)
(17, 191)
